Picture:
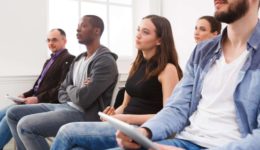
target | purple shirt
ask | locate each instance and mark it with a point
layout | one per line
(54, 56)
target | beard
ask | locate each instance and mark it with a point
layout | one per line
(87, 40)
(236, 10)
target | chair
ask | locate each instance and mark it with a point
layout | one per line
(119, 97)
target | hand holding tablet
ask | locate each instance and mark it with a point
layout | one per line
(130, 131)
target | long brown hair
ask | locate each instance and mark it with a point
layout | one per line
(165, 53)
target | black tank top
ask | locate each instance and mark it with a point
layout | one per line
(146, 95)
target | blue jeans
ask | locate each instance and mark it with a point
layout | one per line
(5, 133)
(177, 143)
(30, 124)
(187, 145)
(85, 135)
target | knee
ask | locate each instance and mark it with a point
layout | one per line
(2, 114)
(25, 125)
(11, 113)
(66, 130)
(3, 121)
(90, 129)
(3, 124)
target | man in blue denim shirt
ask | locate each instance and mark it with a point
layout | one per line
(217, 103)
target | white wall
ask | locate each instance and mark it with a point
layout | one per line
(141, 9)
(14, 86)
(22, 36)
(24, 25)
(183, 16)
(22, 45)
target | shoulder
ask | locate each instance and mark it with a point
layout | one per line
(168, 71)
(104, 52)
(68, 58)
(169, 68)
(105, 58)
(206, 48)
(66, 55)
(104, 62)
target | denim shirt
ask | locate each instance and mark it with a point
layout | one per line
(173, 118)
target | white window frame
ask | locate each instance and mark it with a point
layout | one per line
(140, 8)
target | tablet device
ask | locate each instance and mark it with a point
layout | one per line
(15, 99)
(130, 131)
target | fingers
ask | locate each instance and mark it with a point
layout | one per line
(106, 109)
(125, 142)
(27, 101)
(87, 81)
(109, 111)
(31, 100)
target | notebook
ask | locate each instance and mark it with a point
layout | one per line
(15, 99)
(130, 131)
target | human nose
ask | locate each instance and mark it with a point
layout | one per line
(196, 32)
(78, 29)
(138, 35)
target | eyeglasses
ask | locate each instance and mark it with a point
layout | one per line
(52, 40)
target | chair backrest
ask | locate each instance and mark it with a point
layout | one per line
(119, 97)
(119, 91)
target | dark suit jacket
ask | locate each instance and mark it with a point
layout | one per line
(49, 86)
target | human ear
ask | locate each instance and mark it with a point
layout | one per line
(158, 42)
(215, 33)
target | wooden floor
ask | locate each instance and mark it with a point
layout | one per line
(11, 144)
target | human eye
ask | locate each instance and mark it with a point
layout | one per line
(203, 29)
(146, 32)
(54, 39)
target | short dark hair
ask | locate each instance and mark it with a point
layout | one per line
(96, 21)
(62, 32)
(215, 25)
